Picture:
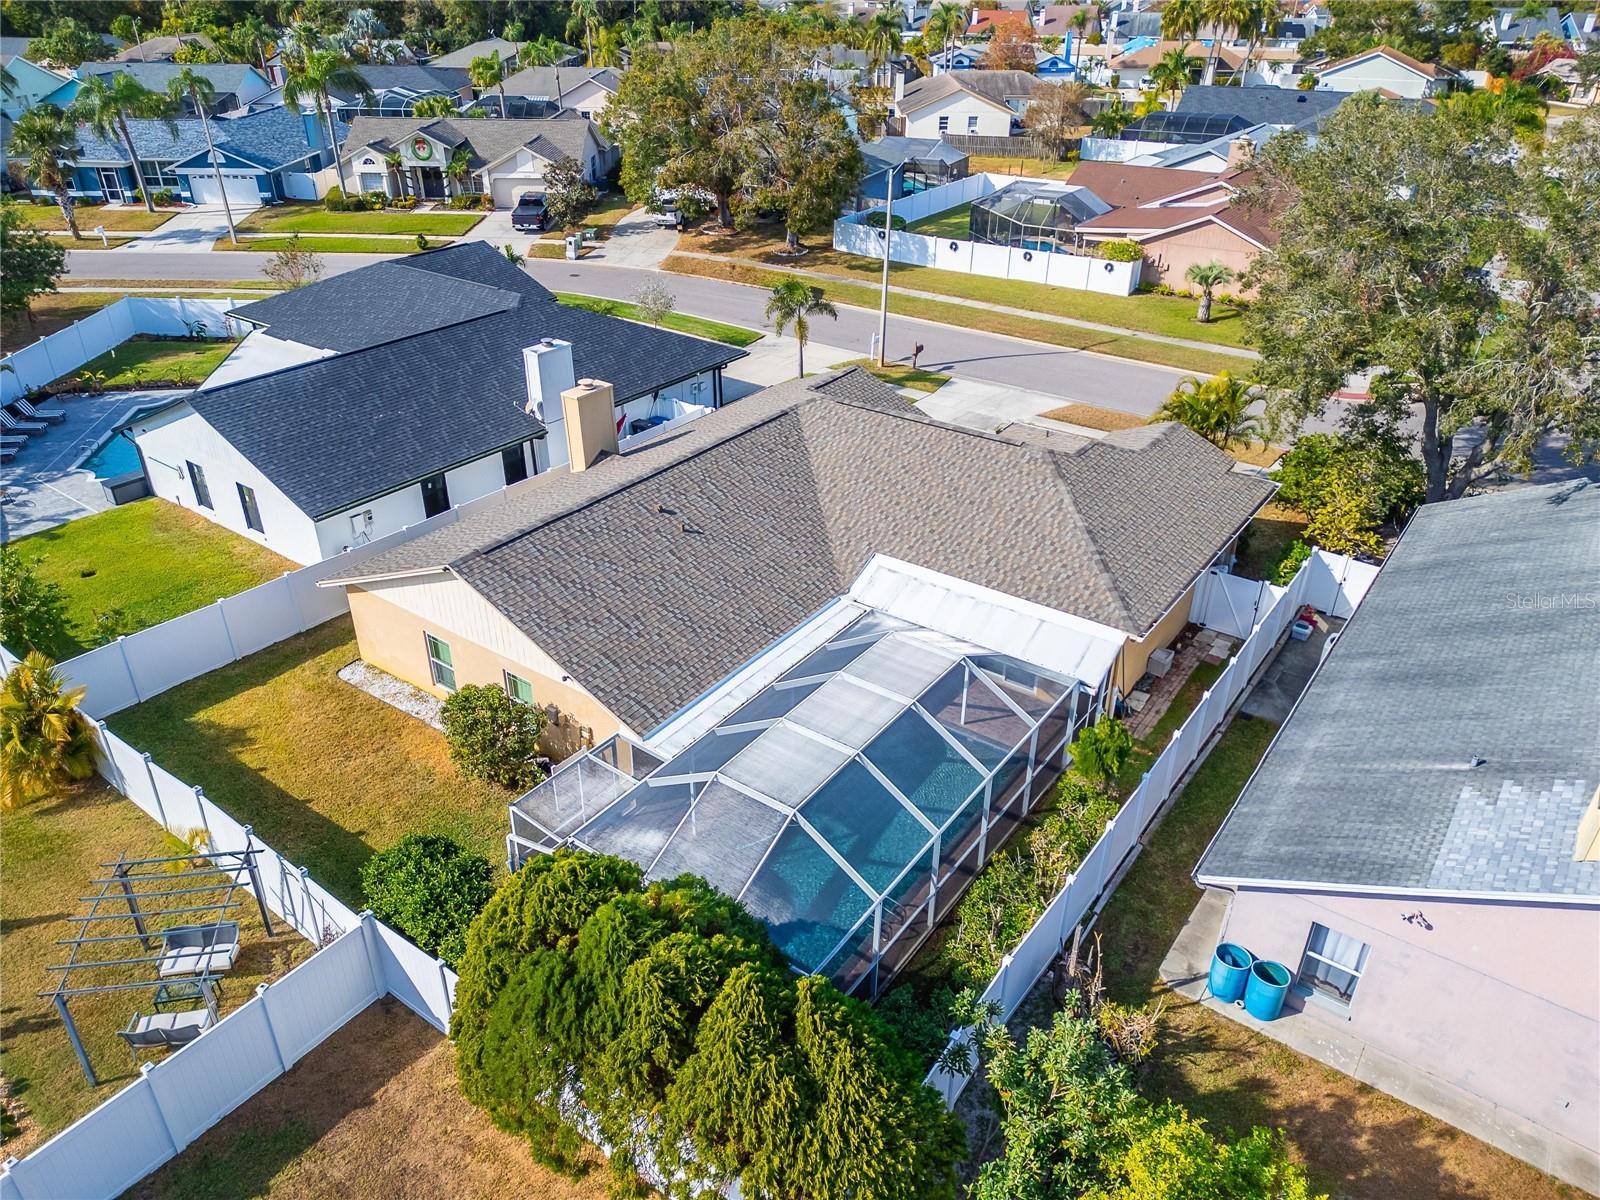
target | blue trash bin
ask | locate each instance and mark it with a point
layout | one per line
(1269, 984)
(1230, 971)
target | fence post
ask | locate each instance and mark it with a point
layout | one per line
(200, 810)
(227, 631)
(155, 1100)
(8, 1169)
(127, 666)
(305, 887)
(369, 937)
(266, 1013)
(444, 986)
(150, 774)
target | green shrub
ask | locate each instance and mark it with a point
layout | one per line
(1287, 567)
(1121, 250)
(334, 201)
(1057, 846)
(1100, 750)
(422, 241)
(376, 200)
(430, 888)
(33, 611)
(1376, 462)
(874, 220)
(670, 1013)
(491, 737)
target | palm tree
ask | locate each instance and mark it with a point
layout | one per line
(1253, 16)
(397, 168)
(1113, 117)
(437, 105)
(458, 168)
(607, 47)
(950, 18)
(883, 39)
(487, 71)
(1181, 19)
(543, 51)
(1174, 72)
(105, 102)
(795, 302)
(188, 82)
(250, 39)
(1207, 276)
(44, 739)
(584, 16)
(1218, 409)
(48, 139)
(311, 75)
(1080, 22)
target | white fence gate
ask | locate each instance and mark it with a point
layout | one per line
(1331, 582)
(61, 353)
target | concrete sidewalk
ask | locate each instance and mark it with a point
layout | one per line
(774, 360)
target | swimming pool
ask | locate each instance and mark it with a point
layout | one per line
(114, 456)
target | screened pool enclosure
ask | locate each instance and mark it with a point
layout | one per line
(1034, 215)
(847, 804)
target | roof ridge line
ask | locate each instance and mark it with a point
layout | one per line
(1057, 463)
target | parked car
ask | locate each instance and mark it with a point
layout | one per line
(529, 216)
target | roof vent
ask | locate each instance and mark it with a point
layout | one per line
(1475, 761)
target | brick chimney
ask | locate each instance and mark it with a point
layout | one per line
(590, 416)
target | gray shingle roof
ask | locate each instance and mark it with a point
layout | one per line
(383, 76)
(429, 372)
(463, 57)
(225, 77)
(999, 87)
(1260, 105)
(541, 81)
(271, 138)
(1477, 640)
(488, 139)
(154, 140)
(652, 575)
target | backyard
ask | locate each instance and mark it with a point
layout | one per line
(325, 773)
(60, 309)
(141, 564)
(1034, 168)
(52, 850)
(951, 223)
(374, 1111)
(143, 362)
(314, 218)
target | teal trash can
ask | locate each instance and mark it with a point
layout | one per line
(1269, 984)
(1230, 971)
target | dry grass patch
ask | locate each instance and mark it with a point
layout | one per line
(1258, 454)
(902, 375)
(1037, 168)
(49, 852)
(1092, 416)
(135, 220)
(374, 1111)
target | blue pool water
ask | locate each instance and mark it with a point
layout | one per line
(116, 456)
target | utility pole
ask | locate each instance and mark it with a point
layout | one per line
(888, 236)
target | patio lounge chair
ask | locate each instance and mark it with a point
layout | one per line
(199, 949)
(25, 409)
(7, 421)
(164, 1031)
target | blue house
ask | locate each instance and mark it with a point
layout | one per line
(265, 157)
(237, 85)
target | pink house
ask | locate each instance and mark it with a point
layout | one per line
(1420, 847)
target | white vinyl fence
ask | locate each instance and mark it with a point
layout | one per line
(64, 351)
(852, 235)
(1334, 585)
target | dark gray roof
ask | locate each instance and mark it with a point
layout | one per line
(887, 151)
(999, 87)
(542, 81)
(161, 49)
(488, 139)
(1476, 641)
(270, 138)
(652, 575)
(428, 372)
(1260, 105)
(155, 140)
(225, 77)
(382, 77)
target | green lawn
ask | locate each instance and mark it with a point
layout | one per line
(52, 849)
(114, 219)
(142, 363)
(902, 375)
(716, 331)
(952, 223)
(150, 560)
(313, 218)
(327, 774)
(333, 245)
(91, 241)
(1037, 168)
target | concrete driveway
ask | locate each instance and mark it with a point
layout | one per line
(192, 230)
(637, 241)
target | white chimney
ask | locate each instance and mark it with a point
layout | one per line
(547, 368)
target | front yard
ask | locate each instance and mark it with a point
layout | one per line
(116, 220)
(149, 561)
(144, 362)
(327, 774)
(313, 218)
(51, 851)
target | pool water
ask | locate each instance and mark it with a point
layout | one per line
(114, 456)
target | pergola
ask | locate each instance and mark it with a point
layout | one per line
(185, 894)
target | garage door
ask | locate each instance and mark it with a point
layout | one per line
(241, 185)
(508, 191)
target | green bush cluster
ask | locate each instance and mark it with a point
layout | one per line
(874, 220)
(1353, 481)
(161, 197)
(337, 201)
(1120, 250)
(430, 887)
(492, 737)
(667, 1013)
(1287, 567)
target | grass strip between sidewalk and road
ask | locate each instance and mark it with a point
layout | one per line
(334, 245)
(716, 331)
(954, 313)
(902, 375)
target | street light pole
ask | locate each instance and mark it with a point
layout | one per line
(888, 237)
(216, 167)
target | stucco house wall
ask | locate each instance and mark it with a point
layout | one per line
(959, 109)
(1167, 256)
(1377, 71)
(1136, 652)
(1499, 1002)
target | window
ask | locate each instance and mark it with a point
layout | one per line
(440, 664)
(516, 464)
(944, 124)
(1333, 964)
(435, 495)
(159, 175)
(371, 181)
(197, 480)
(519, 689)
(252, 514)
(972, 124)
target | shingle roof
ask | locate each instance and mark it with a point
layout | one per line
(1260, 105)
(161, 49)
(994, 86)
(1429, 70)
(429, 372)
(541, 81)
(464, 56)
(488, 139)
(153, 139)
(382, 77)
(653, 574)
(1476, 641)
(271, 138)
(225, 77)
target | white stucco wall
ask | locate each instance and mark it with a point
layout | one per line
(1376, 72)
(992, 121)
(1499, 1000)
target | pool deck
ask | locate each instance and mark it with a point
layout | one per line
(43, 486)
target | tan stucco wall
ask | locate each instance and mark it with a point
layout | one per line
(1136, 651)
(1168, 256)
(391, 639)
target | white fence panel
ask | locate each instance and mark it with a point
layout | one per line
(106, 673)
(321, 994)
(167, 654)
(420, 982)
(102, 1153)
(1230, 604)
(259, 617)
(216, 1073)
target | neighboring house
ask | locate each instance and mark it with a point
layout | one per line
(621, 592)
(237, 85)
(395, 88)
(1509, 27)
(1054, 65)
(1389, 71)
(957, 58)
(1282, 108)
(383, 396)
(1581, 29)
(987, 20)
(1565, 70)
(1212, 157)
(507, 52)
(1178, 218)
(267, 156)
(31, 84)
(1055, 20)
(162, 49)
(968, 103)
(1421, 843)
(504, 157)
(584, 90)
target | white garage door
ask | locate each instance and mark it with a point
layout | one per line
(241, 185)
(508, 191)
